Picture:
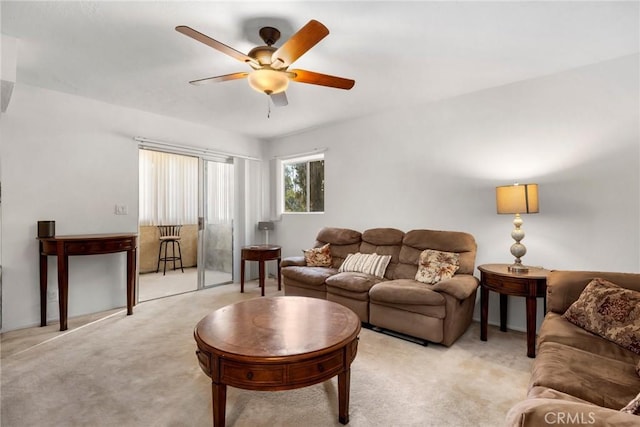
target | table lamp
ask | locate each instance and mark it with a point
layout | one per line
(266, 226)
(517, 199)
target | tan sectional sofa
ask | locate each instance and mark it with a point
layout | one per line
(438, 313)
(578, 378)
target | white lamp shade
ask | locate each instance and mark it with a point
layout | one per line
(517, 199)
(268, 81)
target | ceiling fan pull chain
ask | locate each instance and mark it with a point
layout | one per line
(268, 109)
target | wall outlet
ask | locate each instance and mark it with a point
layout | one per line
(122, 210)
(52, 295)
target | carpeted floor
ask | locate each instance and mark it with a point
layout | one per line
(116, 370)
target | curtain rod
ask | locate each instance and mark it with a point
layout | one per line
(306, 153)
(151, 143)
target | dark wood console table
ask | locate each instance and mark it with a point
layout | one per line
(88, 244)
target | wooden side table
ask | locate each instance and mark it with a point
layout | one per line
(531, 285)
(260, 253)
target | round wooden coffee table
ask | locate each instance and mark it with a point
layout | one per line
(277, 343)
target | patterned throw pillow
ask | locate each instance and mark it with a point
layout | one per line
(434, 266)
(633, 407)
(318, 257)
(373, 264)
(609, 311)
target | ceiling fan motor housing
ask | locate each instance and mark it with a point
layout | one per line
(262, 54)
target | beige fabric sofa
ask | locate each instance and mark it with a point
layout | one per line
(438, 313)
(578, 378)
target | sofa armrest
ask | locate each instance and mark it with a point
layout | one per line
(460, 286)
(293, 260)
(546, 412)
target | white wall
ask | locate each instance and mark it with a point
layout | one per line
(71, 159)
(436, 166)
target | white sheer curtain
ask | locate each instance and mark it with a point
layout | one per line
(219, 192)
(168, 188)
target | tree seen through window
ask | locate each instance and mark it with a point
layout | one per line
(304, 186)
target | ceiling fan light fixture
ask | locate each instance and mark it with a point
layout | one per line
(268, 81)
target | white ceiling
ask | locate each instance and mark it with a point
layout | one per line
(399, 53)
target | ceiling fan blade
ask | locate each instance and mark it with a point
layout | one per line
(196, 35)
(307, 37)
(303, 76)
(279, 99)
(217, 79)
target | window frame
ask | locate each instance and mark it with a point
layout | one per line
(298, 159)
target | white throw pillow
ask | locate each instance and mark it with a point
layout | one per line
(373, 264)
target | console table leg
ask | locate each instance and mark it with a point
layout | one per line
(131, 281)
(344, 378)
(503, 312)
(279, 274)
(484, 312)
(261, 273)
(531, 326)
(63, 288)
(242, 262)
(219, 395)
(43, 288)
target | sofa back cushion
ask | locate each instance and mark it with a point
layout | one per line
(564, 287)
(416, 241)
(342, 242)
(383, 241)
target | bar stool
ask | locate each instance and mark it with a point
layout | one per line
(169, 234)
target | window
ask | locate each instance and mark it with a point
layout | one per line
(303, 180)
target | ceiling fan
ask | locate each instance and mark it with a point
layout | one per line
(270, 65)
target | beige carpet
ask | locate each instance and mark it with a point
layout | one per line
(141, 370)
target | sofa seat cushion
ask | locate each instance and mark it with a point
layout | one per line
(557, 329)
(309, 275)
(352, 282)
(585, 375)
(405, 292)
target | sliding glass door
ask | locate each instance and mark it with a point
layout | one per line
(216, 224)
(196, 193)
(168, 196)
